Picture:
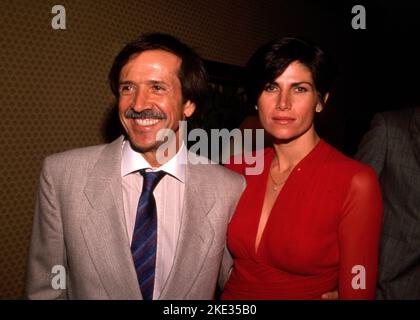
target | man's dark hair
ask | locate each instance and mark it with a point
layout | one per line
(272, 59)
(192, 74)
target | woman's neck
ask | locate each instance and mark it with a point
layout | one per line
(289, 153)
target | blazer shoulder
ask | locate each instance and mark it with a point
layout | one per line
(79, 155)
(86, 156)
(219, 174)
(397, 118)
(228, 174)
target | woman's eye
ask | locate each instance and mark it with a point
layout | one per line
(300, 89)
(270, 87)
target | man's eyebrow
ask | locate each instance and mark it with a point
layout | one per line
(156, 82)
(149, 82)
(126, 82)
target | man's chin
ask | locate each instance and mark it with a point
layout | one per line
(143, 148)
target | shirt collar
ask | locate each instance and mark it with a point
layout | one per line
(133, 161)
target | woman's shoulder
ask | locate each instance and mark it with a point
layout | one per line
(255, 160)
(345, 164)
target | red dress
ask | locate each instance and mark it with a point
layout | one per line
(322, 233)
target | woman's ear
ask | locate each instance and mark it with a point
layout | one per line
(320, 105)
(327, 95)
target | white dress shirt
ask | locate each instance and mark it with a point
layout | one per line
(169, 196)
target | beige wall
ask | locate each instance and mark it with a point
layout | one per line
(54, 93)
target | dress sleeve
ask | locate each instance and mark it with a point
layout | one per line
(359, 233)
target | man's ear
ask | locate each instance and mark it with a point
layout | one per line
(189, 108)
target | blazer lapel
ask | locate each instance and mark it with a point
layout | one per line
(104, 228)
(415, 133)
(195, 237)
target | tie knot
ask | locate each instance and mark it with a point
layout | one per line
(151, 179)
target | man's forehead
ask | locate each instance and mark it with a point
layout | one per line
(152, 63)
(155, 57)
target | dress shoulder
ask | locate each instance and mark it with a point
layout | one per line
(242, 162)
(344, 164)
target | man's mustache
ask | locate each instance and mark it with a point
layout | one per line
(144, 114)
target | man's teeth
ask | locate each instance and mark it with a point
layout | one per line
(147, 122)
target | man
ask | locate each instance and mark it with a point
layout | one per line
(92, 201)
(392, 148)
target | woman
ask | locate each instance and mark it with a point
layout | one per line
(310, 223)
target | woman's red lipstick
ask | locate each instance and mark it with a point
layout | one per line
(283, 120)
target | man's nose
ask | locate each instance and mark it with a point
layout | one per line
(140, 100)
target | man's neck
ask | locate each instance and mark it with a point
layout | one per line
(164, 153)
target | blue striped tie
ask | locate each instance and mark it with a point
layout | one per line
(143, 245)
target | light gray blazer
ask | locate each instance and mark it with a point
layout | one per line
(79, 224)
(392, 148)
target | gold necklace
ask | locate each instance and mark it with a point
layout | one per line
(276, 185)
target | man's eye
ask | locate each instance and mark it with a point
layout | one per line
(127, 89)
(158, 87)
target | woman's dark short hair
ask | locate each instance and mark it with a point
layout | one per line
(272, 59)
(192, 74)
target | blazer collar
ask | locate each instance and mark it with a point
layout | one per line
(106, 236)
(415, 133)
(196, 234)
(104, 228)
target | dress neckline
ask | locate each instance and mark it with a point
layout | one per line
(269, 157)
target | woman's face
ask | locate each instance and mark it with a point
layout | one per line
(287, 104)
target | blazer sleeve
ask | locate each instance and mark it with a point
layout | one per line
(46, 272)
(373, 147)
(227, 261)
(225, 269)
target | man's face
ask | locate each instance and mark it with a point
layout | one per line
(151, 98)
